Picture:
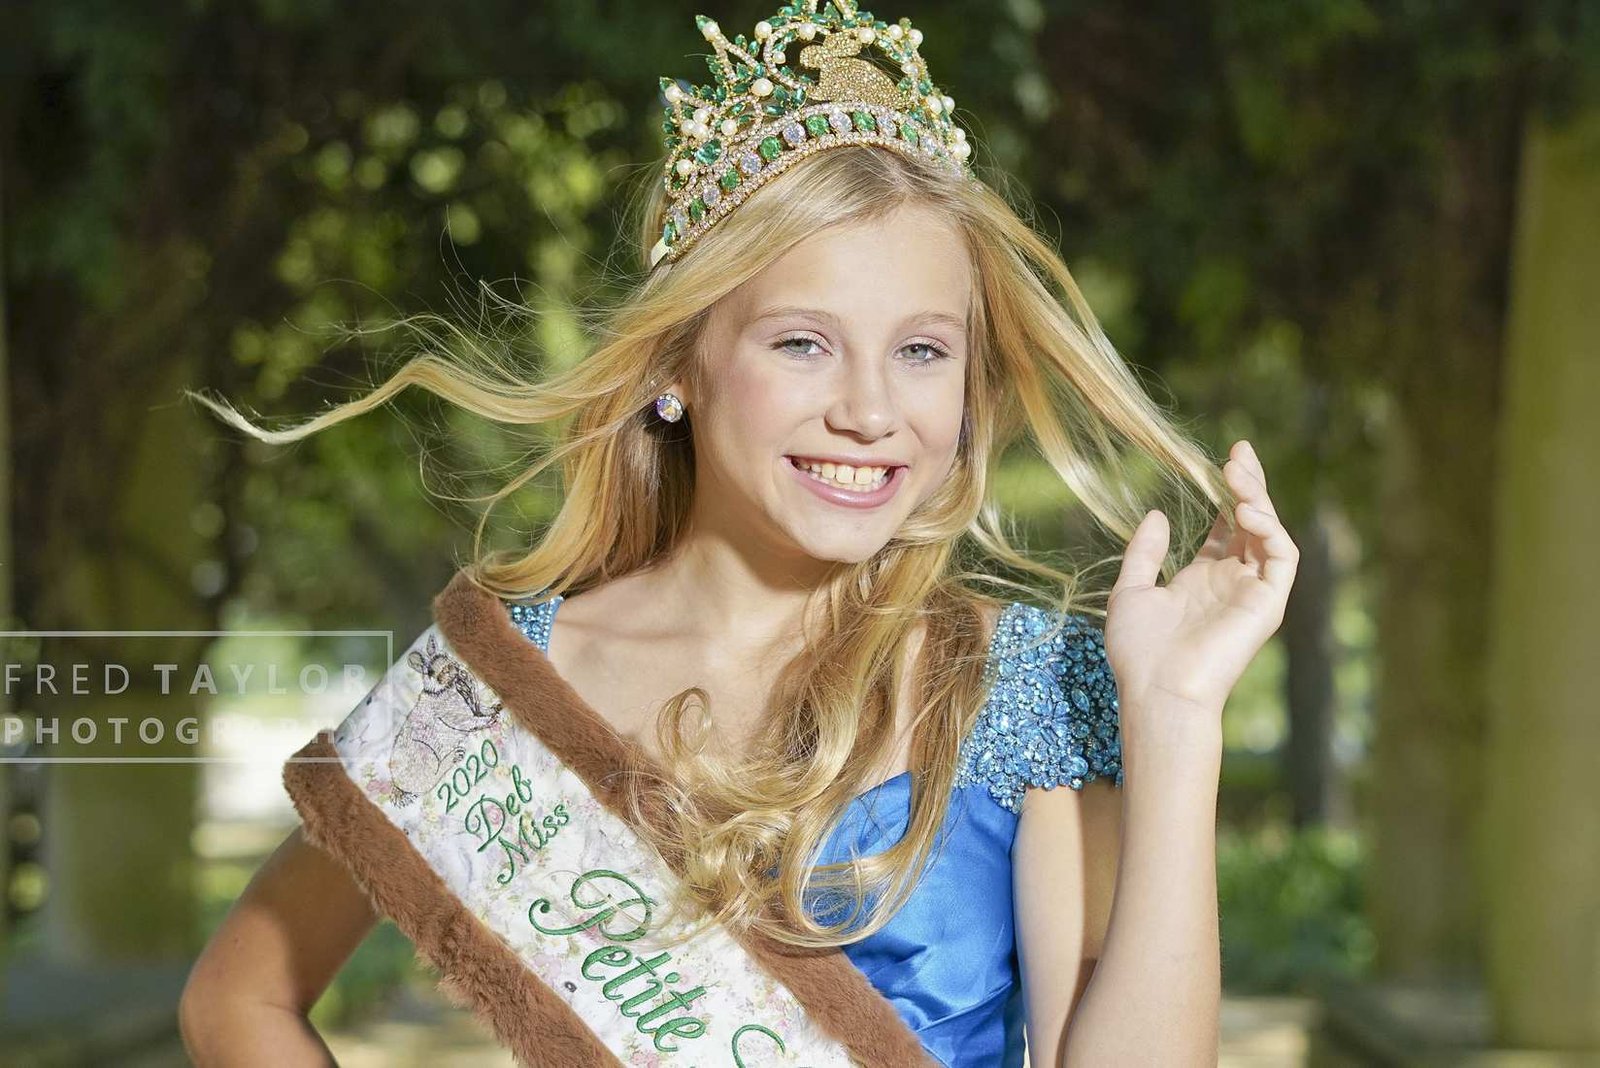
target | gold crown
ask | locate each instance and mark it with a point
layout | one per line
(761, 113)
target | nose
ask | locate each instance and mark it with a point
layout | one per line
(863, 402)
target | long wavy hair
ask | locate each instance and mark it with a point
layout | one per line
(746, 834)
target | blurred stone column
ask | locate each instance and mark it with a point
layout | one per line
(1541, 861)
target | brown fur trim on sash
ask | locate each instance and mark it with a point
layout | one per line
(834, 992)
(476, 968)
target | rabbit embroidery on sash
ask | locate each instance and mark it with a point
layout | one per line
(430, 739)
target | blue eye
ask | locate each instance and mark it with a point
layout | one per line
(934, 353)
(799, 338)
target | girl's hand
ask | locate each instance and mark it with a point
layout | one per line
(1187, 643)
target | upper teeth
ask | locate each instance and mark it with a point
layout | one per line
(859, 476)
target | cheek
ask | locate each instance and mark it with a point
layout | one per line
(938, 417)
(756, 402)
(745, 387)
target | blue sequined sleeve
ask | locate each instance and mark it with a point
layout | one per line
(1051, 716)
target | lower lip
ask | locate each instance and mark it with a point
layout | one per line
(850, 498)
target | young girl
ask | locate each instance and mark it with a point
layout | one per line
(755, 673)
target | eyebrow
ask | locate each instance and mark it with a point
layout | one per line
(945, 318)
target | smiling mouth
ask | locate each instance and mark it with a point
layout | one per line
(843, 476)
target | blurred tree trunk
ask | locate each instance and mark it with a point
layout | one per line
(1308, 637)
(1434, 547)
(116, 463)
(118, 840)
(118, 466)
(1542, 853)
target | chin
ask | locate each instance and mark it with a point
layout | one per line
(853, 557)
(842, 550)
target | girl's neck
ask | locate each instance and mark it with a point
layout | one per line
(730, 597)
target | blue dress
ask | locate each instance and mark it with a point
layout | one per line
(948, 959)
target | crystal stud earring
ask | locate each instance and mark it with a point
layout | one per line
(669, 407)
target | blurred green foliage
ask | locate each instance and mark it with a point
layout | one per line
(1291, 908)
(224, 186)
(379, 968)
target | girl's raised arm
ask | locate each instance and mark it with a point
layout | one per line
(1177, 652)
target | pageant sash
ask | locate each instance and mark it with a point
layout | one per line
(477, 800)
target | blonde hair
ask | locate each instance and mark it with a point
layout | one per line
(747, 838)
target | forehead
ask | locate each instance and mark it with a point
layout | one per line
(909, 261)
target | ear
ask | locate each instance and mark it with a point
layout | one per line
(677, 387)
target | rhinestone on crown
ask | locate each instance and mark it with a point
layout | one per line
(763, 112)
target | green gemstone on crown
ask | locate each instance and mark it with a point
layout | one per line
(817, 124)
(709, 152)
(729, 179)
(864, 121)
(770, 148)
(697, 209)
(909, 132)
